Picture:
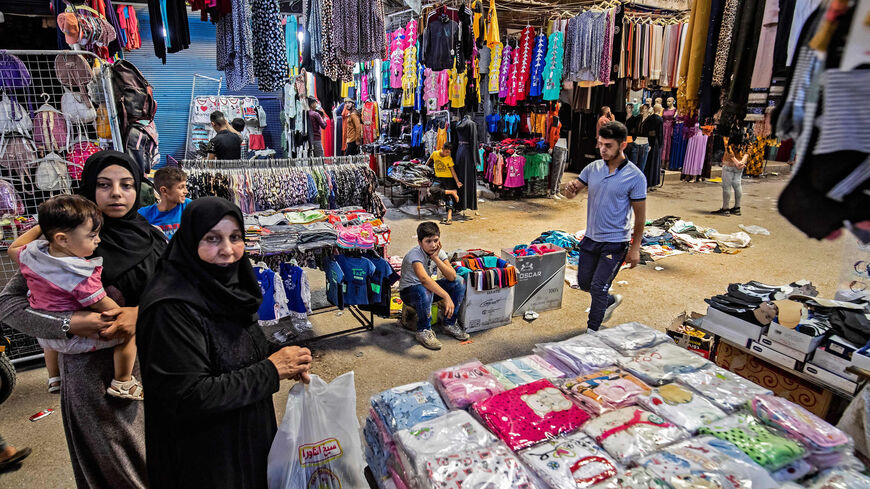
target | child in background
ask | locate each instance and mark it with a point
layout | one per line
(445, 176)
(171, 184)
(733, 163)
(238, 126)
(61, 278)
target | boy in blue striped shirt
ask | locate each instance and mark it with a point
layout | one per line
(617, 189)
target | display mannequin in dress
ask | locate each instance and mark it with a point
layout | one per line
(652, 128)
(668, 116)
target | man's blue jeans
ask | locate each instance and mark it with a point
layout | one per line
(598, 266)
(420, 298)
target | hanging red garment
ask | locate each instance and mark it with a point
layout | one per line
(327, 134)
(370, 119)
(511, 98)
(526, 49)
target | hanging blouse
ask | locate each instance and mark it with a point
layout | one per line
(539, 61)
(419, 98)
(504, 73)
(492, 35)
(552, 79)
(440, 138)
(409, 77)
(292, 42)
(370, 121)
(458, 82)
(524, 57)
(511, 98)
(495, 67)
(397, 60)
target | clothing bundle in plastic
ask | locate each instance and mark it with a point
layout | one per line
(402, 407)
(530, 413)
(767, 449)
(636, 478)
(726, 389)
(707, 462)
(840, 479)
(605, 390)
(480, 468)
(826, 444)
(465, 384)
(631, 433)
(632, 336)
(580, 355)
(523, 370)
(570, 461)
(662, 363)
(681, 406)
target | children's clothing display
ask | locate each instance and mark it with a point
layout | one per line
(402, 407)
(605, 390)
(298, 293)
(523, 370)
(681, 406)
(570, 461)
(529, 414)
(444, 435)
(824, 442)
(632, 336)
(636, 478)
(662, 363)
(841, 479)
(465, 384)
(767, 449)
(707, 462)
(631, 433)
(726, 389)
(480, 468)
(274, 306)
(581, 354)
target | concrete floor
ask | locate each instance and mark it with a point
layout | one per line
(389, 356)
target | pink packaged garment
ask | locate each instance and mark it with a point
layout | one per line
(606, 390)
(529, 414)
(465, 384)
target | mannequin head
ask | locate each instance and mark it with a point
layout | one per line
(649, 102)
(658, 100)
(657, 109)
(670, 102)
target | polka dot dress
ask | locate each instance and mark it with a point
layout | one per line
(270, 60)
(767, 449)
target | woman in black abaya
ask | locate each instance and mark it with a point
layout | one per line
(206, 364)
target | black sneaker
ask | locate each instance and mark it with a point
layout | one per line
(721, 212)
(735, 211)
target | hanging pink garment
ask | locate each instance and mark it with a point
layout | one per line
(525, 48)
(504, 75)
(695, 152)
(511, 98)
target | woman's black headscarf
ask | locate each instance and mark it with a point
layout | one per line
(128, 240)
(227, 291)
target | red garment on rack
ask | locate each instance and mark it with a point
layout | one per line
(327, 134)
(511, 98)
(526, 50)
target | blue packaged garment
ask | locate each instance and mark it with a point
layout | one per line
(335, 284)
(405, 406)
(357, 273)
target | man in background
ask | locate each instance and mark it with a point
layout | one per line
(316, 123)
(226, 144)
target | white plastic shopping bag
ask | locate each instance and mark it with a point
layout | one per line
(318, 444)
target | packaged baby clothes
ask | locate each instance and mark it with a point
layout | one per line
(482, 468)
(465, 384)
(530, 413)
(520, 371)
(707, 462)
(375, 453)
(662, 363)
(767, 449)
(726, 389)
(636, 478)
(570, 461)
(825, 443)
(402, 407)
(605, 390)
(632, 336)
(455, 431)
(631, 433)
(840, 479)
(681, 406)
(579, 355)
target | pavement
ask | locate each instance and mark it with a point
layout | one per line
(389, 356)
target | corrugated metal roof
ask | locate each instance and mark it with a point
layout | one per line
(173, 82)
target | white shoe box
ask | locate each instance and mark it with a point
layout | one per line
(830, 378)
(793, 338)
(731, 328)
(833, 364)
(787, 350)
(774, 356)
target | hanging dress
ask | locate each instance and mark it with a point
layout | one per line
(667, 133)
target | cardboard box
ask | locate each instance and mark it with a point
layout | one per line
(774, 356)
(796, 354)
(487, 309)
(861, 360)
(841, 347)
(540, 280)
(830, 378)
(731, 328)
(833, 363)
(793, 338)
(703, 343)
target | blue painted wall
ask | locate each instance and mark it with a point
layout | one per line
(173, 81)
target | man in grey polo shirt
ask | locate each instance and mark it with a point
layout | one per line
(617, 188)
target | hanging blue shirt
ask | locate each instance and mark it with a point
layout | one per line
(291, 277)
(266, 279)
(417, 135)
(382, 280)
(357, 272)
(511, 121)
(168, 221)
(335, 284)
(539, 61)
(492, 123)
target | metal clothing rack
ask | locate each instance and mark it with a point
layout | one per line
(356, 160)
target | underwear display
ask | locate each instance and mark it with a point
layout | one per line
(523, 370)
(570, 461)
(462, 385)
(681, 406)
(767, 449)
(402, 407)
(481, 468)
(707, 462)
(631, 433)
(662, 363)
(605, 390)
(726, 389)
(632, 336)
(581, 354)
(529, 414)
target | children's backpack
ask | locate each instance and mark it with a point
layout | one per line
(13, 72)
(50, 132)
(13, 117)
(52, 174)
(142, 145)
(73, 70)
(78, 155)
(77, 107)
(10, 202)
(18, 153)
(133, 94)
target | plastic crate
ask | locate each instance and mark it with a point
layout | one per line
(21, 345)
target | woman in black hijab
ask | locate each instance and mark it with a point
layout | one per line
(206, 364)
(104, 435)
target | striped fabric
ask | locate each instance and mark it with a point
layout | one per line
(842, 127)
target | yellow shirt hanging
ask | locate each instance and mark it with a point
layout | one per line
(492, 35)
(458, 81)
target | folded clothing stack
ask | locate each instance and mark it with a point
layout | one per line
(316, 235)
(580, 355)
(402, 407)
(726, 389)
(631, 433)
(465, 384)
(605, 390)
(515, 372)
(662, 363)
(766, 448)
(534, 249)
